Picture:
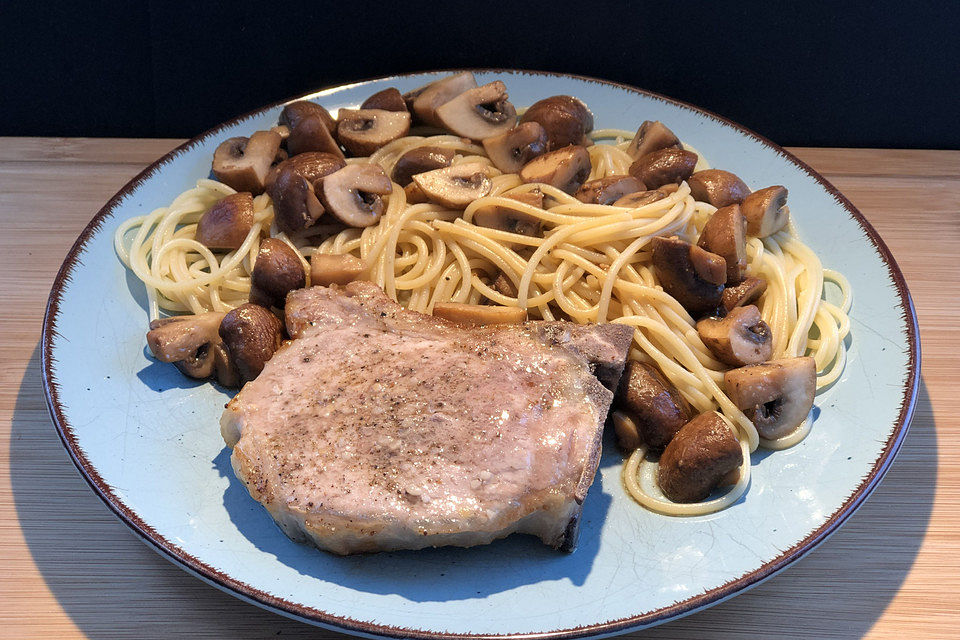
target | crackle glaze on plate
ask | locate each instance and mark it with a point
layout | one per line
(147, 439)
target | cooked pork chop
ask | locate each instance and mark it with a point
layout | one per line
(379, 428)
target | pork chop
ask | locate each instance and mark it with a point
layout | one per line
(379, 428)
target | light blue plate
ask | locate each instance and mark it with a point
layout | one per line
(147, 439)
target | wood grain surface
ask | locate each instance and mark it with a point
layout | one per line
(69, 569)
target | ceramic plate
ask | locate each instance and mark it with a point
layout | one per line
(147, 439)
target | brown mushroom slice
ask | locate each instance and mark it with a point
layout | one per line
(363, 131)
(565, 119)
(725, 234)
(640, 198)
(698, 459)
(512, 149)
(566, 169)
(327, 269)
(627, 431)
(776, 396)
(295, 202)
(251, 335)
(651, 136)
(276, 272)
(607, 190)
(353, 194)
(766, 211)
(420, 160)
(507, 219)
(312, 165)
(243, 163)
(479, 313)
(456, 186)
(739, 339)
(227, 223)
(743, 294)
(680, 269)
(717, 187)
(186, 341)
(312, 134)
(653, 401)
(664, 166)
(294, 112)
(389, 99)
(479, 113)
(438, 93)
(415, 194)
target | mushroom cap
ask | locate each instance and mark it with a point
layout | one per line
(512, 149)
(427, 99)
(312, 134)
(717, 187)
(186, 341)
(651, 136)
(566, 169)
(353, 194)
(251, 335)
(739, 339)
(512, 220)
(680, 269)
(327, 269)
(363, 131)
(276, 272)
(456, 186)
(295, 201)
(655, 404)
(243, 163)
(565, 119)
(479, 113)
(698, 458)
(725, 234)
(658, 168)
(766, 211)
(640, 198)
(420, 160)
(312, 165)
(776, 396)
(743, 294)
(390, 99)
(607, 190)
(479, 313)
(227, 223)
(294, 112)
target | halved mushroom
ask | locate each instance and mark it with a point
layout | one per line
(226, 224)
(363, 131)
(415, 194)
(507, 219)
(243, 163)
(353, 194)
(295, 202)
(479, 113)
(627, 431)
(690, 274)
(607, 190)
(725, 234)
(565, 119)
(651, 136)
(389, 99)
(455, 186)
(294, 112)
(717, 187)
(766, 211)
(776, 396)
(312, 165)
(698, 459)
(566, 169)
(743, 294)
(223, 368)
(656, 406)
(327, 269)
(251, 335)
(312, 134)
(739, 339)
(420, 160)
(187, 341)
(276, 272)
(658, 168)
(640, 198)
(479, 313)
(512, 149)
(436, 94)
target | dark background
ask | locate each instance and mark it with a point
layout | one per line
(831, 74)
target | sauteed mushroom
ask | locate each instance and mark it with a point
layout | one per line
(690, 274)
(389, 99)
(327, 269)
(455, 186)
(312, 133)
(312, 165)
(187, 341)
(294, 112)
(243, 163)
(276, 272)
(698, 458)
(251, 335)
(507, 219)
(353, 194)
(226, 224)
(776, 396)
(427, 99)
(739, 339)
(717, 187)
(653, 402)
(725, 234)
(743, 294)
(294, 189)
(640, 198)
(479, 113)
(565, 119)
(566, 168)
(512, 149)
(479, 313)
(652, 135)
(766, 211)
(420, 160)
(664, 166)
(363, 131)
(607, 190)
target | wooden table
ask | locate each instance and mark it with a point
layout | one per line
(69, 569)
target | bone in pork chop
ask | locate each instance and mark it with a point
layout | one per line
(379, 428)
